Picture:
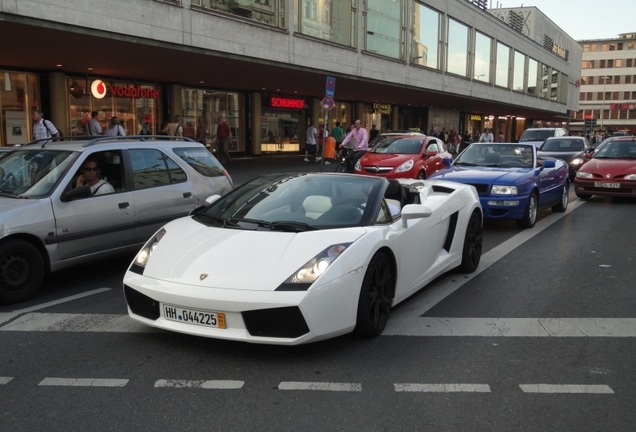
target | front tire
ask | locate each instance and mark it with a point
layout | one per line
(473, 242)
(565, 199)
(21, 271)
(530, 214)
(421, 175)
(376, 294)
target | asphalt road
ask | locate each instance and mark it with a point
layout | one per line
(541, 338)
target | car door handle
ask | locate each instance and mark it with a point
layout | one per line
(123, 205)
(187, 194)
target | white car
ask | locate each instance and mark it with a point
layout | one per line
(295, 258)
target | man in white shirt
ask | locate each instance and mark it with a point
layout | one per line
(90, 178)
(487, 136)
(43, 128)
(310, 144)
(93, 127)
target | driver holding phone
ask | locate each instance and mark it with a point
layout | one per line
(90, 178)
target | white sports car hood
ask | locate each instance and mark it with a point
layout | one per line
(235, 258)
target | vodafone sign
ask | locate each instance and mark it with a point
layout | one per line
(98, 90)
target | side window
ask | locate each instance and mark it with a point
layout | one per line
(383, 216)
(432, 146)
(201, 160)
(152, 168)
(102, 171)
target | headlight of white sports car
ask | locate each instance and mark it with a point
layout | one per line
(583, 174)
(405, 166)
(313, 268)
(142, 256)
(576, 161)
(504, 190)
(630, 177)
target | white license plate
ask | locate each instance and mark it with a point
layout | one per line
(607, 185)
(192, 316)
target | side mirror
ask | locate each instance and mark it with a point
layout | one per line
(447, 161)
(414, 211)
(209, 200)
(431, 153)
(550, 163)
(77, 193)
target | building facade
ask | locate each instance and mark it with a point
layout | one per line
(262, 66)
(608, 85)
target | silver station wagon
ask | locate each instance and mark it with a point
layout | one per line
(51, 220)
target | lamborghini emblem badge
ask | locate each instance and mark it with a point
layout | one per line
(203, 276)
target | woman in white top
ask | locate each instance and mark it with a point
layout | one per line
(114, 128)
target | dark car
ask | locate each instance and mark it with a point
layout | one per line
(571, 149)
(536, 136)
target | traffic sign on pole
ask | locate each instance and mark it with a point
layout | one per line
(327, 103)
(330, 89)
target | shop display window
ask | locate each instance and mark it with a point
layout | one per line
(18, 94)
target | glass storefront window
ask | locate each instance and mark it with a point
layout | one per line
(383, 29)
(554, 85)
(518, 71)
(279, 131)
(503, 65)
(270, 12)
(137, 115)
(332, 20)
(483, 46)
(563, 88)
(18, 95)
(457, 54)
(209, 106)
(425, 31)
(533, 68)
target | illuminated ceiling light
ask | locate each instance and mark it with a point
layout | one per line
(263, 88)
(277, 89)
(521, 118)
(90, 68)
(59, 65)
(200, 82)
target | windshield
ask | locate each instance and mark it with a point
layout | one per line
(617, 150)
(296, 202)
(536, 135)
(398, 145)
(497, 155)
(31, 173)
(562, 145)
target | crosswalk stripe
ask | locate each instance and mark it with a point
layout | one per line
(397, 326)
(512, 327)
(211, 384)
(4, 380)
(442, 388)
(83, 382)
(566, 388)
(320, 386)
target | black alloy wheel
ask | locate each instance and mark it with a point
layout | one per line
(565, 199)
(530, 214)
(376, 294)
(421, 175)
(473, 243)
(21, 271)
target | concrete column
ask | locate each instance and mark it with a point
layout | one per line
(360, 110)
(395, 112)
(59, 96)
(316, 110)
(256, 123)
(175, 102)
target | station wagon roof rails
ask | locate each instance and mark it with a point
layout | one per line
(52, 140)
(102, 139)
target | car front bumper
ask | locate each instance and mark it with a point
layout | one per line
(600, 187)
(504, 207)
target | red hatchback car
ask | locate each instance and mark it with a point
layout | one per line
(612, 171)
(403, 155)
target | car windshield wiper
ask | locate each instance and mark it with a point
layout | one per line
(465, 163)
(259, 222)
(291, 226)
(224, 222)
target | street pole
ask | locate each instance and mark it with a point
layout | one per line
(603, 104)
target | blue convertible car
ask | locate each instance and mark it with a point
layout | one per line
(511, 181)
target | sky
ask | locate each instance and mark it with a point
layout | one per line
(584, 19)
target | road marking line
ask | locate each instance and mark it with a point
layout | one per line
(567, 388)
(212, 384)
(37, 321)
(442, 388)
(83, 382)
(512, 327)
(451, 283)
(63, 300)
(4, 380)
(320, 386)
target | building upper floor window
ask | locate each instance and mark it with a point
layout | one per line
(425, 31)
(332, 20)
(270, 12)
(457, 50)
(384, 30)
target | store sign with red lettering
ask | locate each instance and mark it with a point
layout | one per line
(99, 90)
(280, 102)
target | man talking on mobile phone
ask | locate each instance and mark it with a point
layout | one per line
(90, 178)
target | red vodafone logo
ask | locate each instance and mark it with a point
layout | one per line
(98, 89)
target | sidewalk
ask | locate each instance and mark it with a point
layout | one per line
(243, 169)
